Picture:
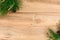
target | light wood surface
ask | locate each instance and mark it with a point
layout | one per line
(27, 26)
(31, 22)
(40, 6)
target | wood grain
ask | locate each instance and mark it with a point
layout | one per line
(27, 26)
(40, 6)
(31, 22)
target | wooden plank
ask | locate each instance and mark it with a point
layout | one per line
(27, 26)
(40, 6)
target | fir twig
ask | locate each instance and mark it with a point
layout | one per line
(9, 5)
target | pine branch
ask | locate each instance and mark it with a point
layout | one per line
(54, 35)
(9, 5)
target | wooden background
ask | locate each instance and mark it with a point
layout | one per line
(40, 6)
(31, 22)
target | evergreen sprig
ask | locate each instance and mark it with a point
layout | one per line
(54, 35)
(9, 5)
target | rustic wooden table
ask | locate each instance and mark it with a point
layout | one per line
(31, 22)
(27, 26)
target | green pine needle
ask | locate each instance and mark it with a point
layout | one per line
(9, 5)
(53, 35)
